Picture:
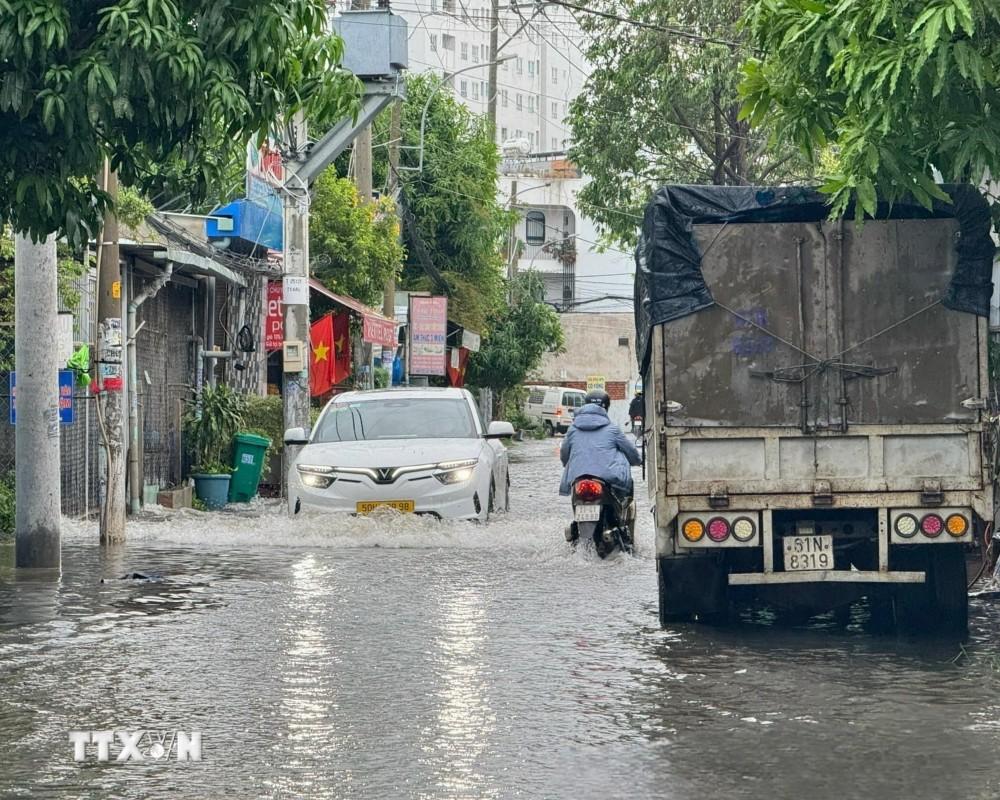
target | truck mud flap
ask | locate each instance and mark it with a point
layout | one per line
(691, 585)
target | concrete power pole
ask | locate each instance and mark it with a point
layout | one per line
(296, 384)
(111, 384)
(395, 134)
(491, 109)
(36, 444)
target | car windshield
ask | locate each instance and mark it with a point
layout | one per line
(397, 418)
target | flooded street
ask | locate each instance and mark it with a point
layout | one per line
(406, 658)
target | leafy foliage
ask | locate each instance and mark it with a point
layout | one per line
(899, 88)
(354, 246)
(211, 421)
(265, 416)
(7, 504)
(517, 342)
(660, 108)
(454, 201)
(170, 82)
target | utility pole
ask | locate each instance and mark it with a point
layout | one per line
(295, 392)
(36, 443)
(491, 108)
(110, 379)
(395, 134)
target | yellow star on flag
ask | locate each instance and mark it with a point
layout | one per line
(320, 352)
(340, 344)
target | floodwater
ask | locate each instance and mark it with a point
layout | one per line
(405, 658)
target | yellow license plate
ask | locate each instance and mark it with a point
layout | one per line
(405, 506)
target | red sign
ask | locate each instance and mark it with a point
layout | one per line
(376, 330)
(428, 335)
(274, 325)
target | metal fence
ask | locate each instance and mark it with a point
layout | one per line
(78, 440)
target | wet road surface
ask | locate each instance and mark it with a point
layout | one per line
(405, 658)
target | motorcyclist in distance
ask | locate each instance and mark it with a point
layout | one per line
(637, 408)
(594, 446)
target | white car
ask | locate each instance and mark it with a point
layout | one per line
(418, 450)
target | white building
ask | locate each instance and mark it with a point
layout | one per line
(544, 71)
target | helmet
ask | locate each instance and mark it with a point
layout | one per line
(638, 391)
(599, 397)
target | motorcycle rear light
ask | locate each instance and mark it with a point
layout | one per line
(588, 491)
(931, 526)
(693, 530)
(957, 525)
(718, 529)
(744, 529)
(907, 526)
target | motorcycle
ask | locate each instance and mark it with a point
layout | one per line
(601, 515)
(637, 431)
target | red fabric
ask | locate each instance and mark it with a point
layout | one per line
(341, 364)
(456, 375)
(321, 361)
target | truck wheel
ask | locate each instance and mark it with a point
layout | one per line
(549, 430)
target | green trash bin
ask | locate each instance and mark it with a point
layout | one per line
(248, 464)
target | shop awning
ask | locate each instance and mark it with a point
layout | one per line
(375, 328)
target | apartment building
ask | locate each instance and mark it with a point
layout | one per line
(543, 71)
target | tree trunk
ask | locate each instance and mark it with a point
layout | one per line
(110, 377)
(36, 442)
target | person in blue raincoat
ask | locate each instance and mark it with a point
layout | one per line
(595, 446)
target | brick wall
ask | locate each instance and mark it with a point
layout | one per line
(617, 390)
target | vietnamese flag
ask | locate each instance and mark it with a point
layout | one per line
(456, 367)
(340, 368)
(321, 363)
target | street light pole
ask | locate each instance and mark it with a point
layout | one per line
(436, 89)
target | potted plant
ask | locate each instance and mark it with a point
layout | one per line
(212, 418)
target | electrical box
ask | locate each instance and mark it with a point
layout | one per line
(294, 355)
(375, 43)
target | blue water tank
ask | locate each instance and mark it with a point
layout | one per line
(247, 225)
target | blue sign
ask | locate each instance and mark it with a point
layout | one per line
(66, 414)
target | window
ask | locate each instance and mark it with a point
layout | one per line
(623, 341)
(465, 89)
(506, 66)
(531, 67)
(536, 396)
(465, 51)
(483, 89)
(531, 140)
(555, 144)
(555, 112)
(538, 67)
(397, 418)
(504, 99)
(485, 50)
(520, 65)
(475, 53)
(538, 138)
(434, 6)
(555, 75)
(449, 6)
(534, 227)
(434, 42)
(448, 42)
(475, 90)
(518, 134)
(531, 102)
(519, 102)
(503, 134)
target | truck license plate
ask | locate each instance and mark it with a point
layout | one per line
(808, 552)
(588, 513)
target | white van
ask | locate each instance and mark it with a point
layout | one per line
(553, 407)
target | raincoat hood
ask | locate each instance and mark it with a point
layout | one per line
(591, 417)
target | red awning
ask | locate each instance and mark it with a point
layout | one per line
(376, 328)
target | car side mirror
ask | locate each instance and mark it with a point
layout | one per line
(296, 436)
(500, 430)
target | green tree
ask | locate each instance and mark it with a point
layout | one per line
(453, 201)
(528, 330)
(898, 89)
(661, 106)
(354, 246)
(171, 82)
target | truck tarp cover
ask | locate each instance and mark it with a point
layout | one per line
(669, 283)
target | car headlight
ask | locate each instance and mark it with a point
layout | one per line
(450, 472)
(316, 476)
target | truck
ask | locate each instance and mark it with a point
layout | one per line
(818, 421)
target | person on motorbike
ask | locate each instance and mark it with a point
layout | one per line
(594, 446)
(637, 408)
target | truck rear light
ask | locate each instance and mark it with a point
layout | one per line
(907, 526)
(718, 529)
(559, 411)
(931, 526)
(957, 525)
(588, 491)
(693, 530)
(744, 529)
